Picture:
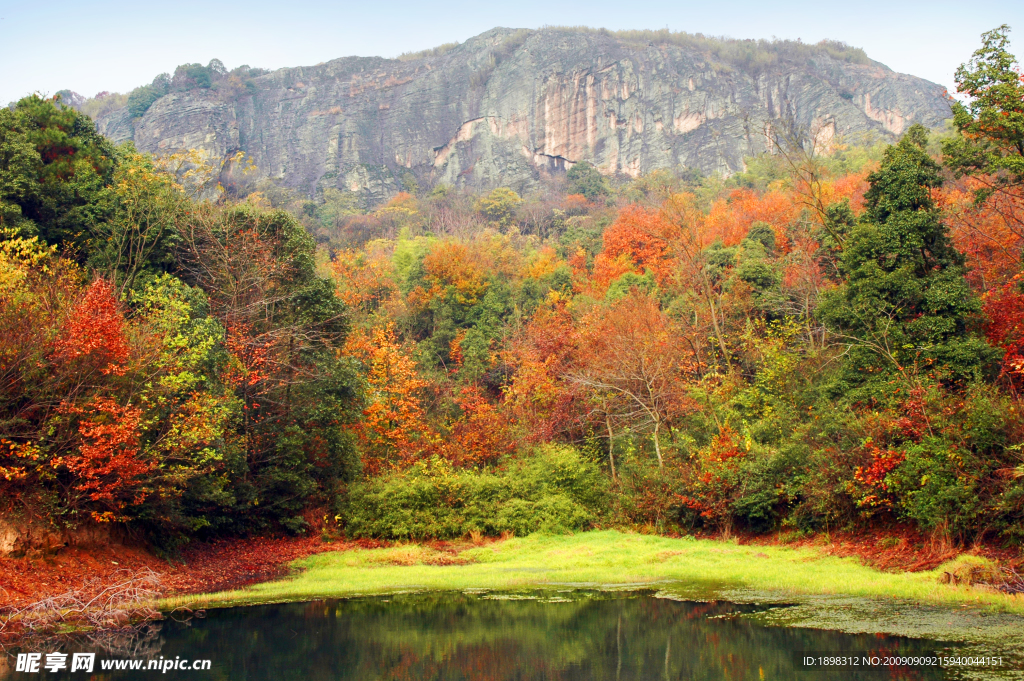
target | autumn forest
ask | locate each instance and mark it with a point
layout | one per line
(831, 339)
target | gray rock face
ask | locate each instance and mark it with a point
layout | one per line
(511, 107)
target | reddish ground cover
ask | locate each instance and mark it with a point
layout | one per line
(201, 567)
(901, 549)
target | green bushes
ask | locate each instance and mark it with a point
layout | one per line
(959, 477)
(554, 491)
(942, 461)
(583, 178)
(230, 85)
(143, 97)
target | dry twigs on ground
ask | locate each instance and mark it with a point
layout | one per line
(1013, 582)
(92, 606)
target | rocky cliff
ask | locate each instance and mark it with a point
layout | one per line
(509, 107)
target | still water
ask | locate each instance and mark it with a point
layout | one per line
(523, 637)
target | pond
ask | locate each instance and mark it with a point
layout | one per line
(550, 634)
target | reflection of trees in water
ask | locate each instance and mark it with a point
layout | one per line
(138, 640)
(457, 637)
(131, 642)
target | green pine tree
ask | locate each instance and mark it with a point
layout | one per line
(904, 305)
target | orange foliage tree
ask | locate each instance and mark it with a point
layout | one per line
(692, 237)
(632, 354)
(364, 279)
(481, 435)
(1004, 307)
(394, 425)
(95, 331)
(451, 270)
(103, 436)
(730, 218)
(714, 479)
(109, 466)
(638, 239)
(990, 234)
(540, 354)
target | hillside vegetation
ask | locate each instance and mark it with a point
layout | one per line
(819, 342)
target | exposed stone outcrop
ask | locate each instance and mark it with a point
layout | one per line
(508, 107)
(19, 537)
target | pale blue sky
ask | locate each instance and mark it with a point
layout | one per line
(115, 45)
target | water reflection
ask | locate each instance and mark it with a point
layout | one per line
(455, 637)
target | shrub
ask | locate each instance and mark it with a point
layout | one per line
(761, 496)
(141, 98)
(583, 178)
(960, 479)
(647, 497)
(554, 490)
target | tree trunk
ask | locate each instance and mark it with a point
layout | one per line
(657, 445)
(611, 444)
(709, 296)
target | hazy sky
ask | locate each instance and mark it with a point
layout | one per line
(116, 45)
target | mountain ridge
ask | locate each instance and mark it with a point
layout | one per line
(513, 106)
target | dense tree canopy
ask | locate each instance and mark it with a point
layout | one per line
(55, 172)
(165, 362)
(755, 353)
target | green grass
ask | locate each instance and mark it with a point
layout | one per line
(604, 559)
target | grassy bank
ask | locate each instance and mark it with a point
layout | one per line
(607, 559)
